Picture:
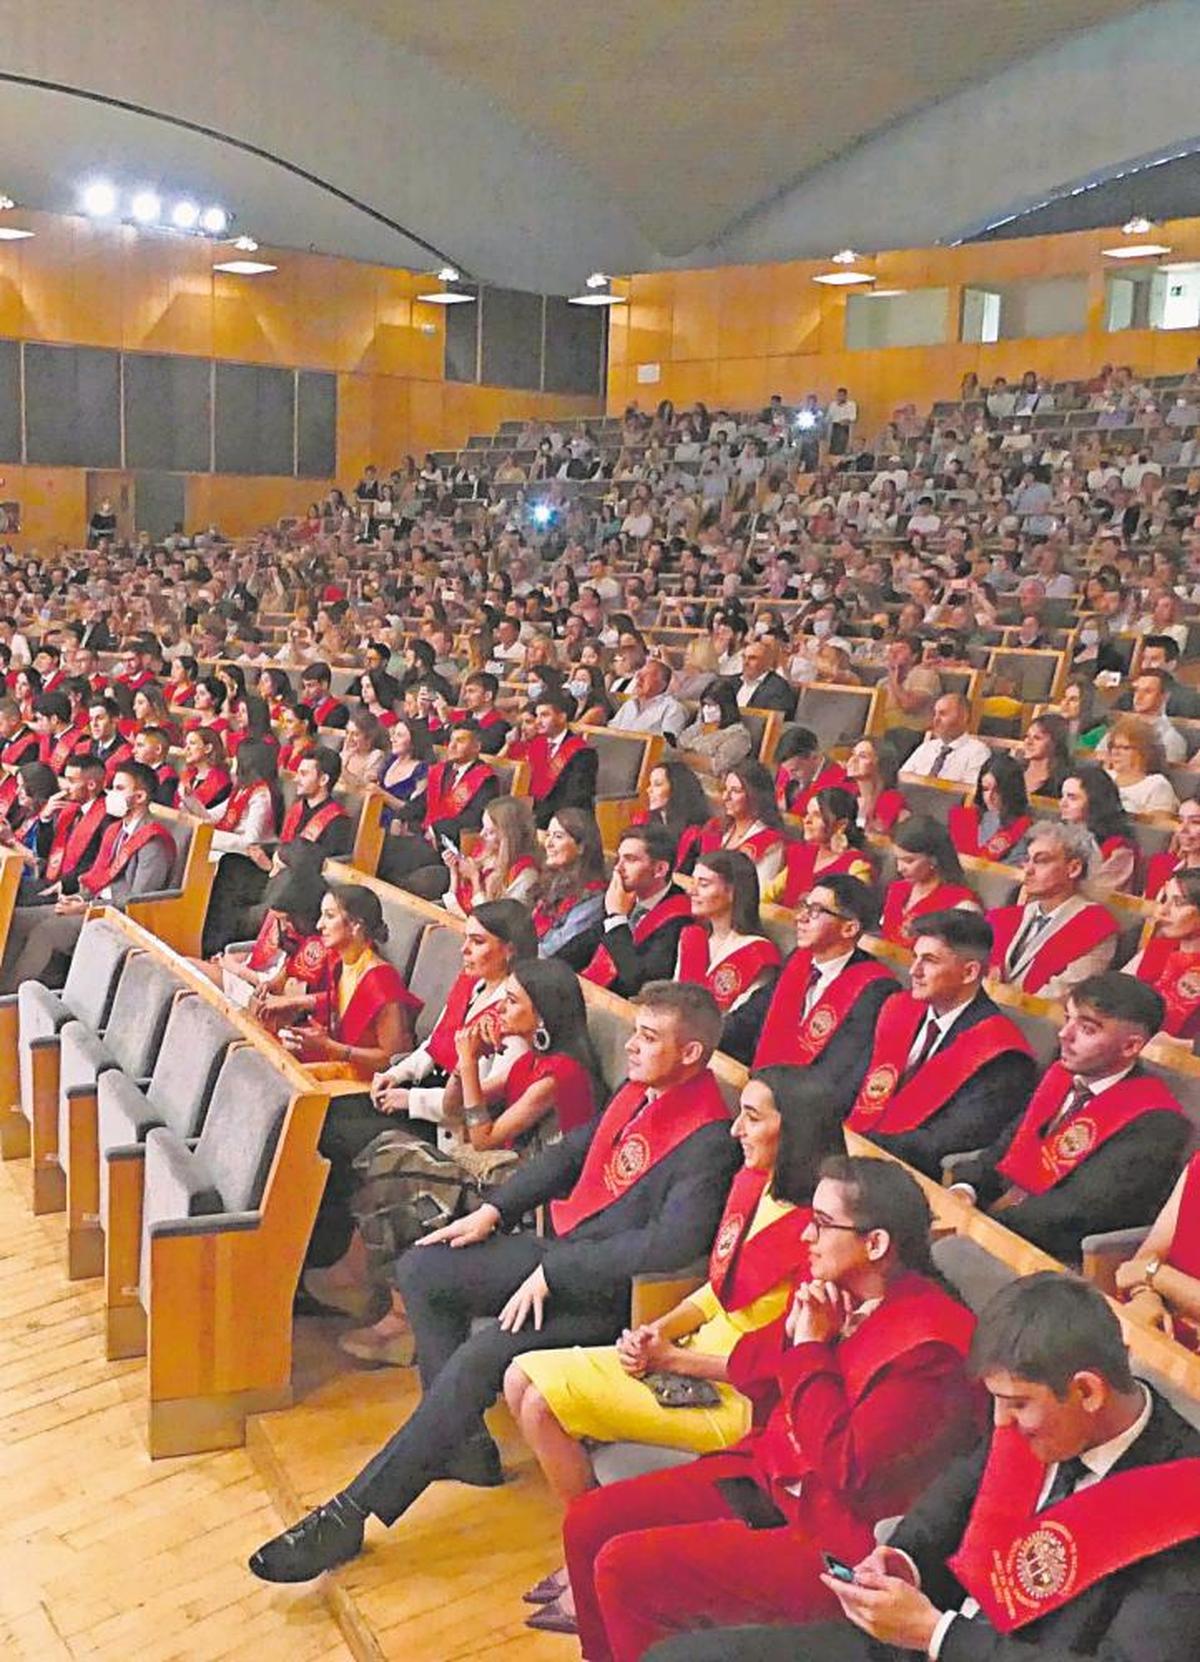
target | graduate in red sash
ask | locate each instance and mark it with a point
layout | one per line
(18, 744)
(562, 766)
(78, 826)
(725, 949)
(640, 1188)
(1100, 1143)
(479, 692)
(58, 737)
(801, 770)
(1074, 1532)
(1162, 1280)
(1183, 853)
(1057, 937)
(459, 788)
(870, 1349)
(930, 879)
(645, 914)
(316, 682)
(948, 1070)
(751, 823)
(1170, 960)
(832, 844)
(825, 1007)
(316, 817)
(204, 781)
(994, 826)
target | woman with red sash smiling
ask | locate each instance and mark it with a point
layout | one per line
(929, 879)
(1170, 960)
(205, 781)
(751, 823)
(568, 897)
(1183, 853)
(1162, 1281)
(675, 798)
(994, 826)
(833, 844)
(560, 1398)
(725, 949)
(871, 774)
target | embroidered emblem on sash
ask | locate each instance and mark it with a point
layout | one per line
(627, 1163)
(1043, 1563)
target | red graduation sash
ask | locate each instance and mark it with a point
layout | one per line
(785, 1038)
(20, 747)
(802, 873)
(449, 804)
(1176, 975)
(57, 755)
(602, 971)
(741, 1267)
(105, 869)
(239, 801)
(793, 798)
(306, 957)
(963, 825)
(1159, 868)
(316, 826)
(628, 1144)
(1059, 949)
(440, 1043)
(1036, 1162)
(464, 894)
(1020, 1564)
(729, 979)
(73, 831)
(379, 986)
(324, 708)
(545, 769)
(1185, 1246)
(900, 919)
(755, 847)
(881, 1106)
(291, 755)
(214, 785)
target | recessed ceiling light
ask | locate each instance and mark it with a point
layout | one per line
(244, 268)
(10, 233)
(214, 220)
(1136, 227)
(448, 275)
(1136, 250)
(843, 279)
(6, 202)
(99, 198)
(185, 214)
(447, 297)
(146, 207)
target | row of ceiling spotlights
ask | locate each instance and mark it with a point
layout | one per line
(101, 199)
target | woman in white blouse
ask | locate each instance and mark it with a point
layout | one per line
(1138, 768)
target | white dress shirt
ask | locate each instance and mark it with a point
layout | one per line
(967, 757)
(826, 972)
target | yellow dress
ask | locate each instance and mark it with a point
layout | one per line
(352, 974)
(592, 1396)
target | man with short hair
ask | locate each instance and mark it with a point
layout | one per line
(134, 670)
(645, 914)
(459, 788)
(57, 737)
(151, 747)
(910, 687)
(629, 658)
(1149, 692)
(316, 816)
(1101, 1141)
(134, 857)
(1162, 652)
(562, 766)
(801, 770)
(80, 818)
(760, 684)
(316, 684)
(650, 708)
(1056, 937)
(948, 1070)
(105, 737)
(826, 1004)
(949, 751)
(1073, 1532)
(638, 1189)
(479, 692)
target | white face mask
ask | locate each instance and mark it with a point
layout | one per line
(116, 803)
(579, 689)
(819, 591)
(710, 714)
(535, 689)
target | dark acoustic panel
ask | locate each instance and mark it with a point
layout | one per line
(167, 413)
(72, 406)
(512, 338)
(462, 342)
(316, 425)
(254, 420)
(574, 346)
(10, 401)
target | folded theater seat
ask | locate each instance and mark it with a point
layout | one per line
(133, 1036)
(87, 996)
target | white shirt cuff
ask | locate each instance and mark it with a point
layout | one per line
(939, 1634)
(615, 921)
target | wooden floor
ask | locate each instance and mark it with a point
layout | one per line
(105, 1554)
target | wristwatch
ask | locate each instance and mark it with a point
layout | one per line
(1151, 1268)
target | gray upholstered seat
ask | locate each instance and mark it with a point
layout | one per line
(438, 961)
(222, 1177)
(132, 1037)
(189, 1058)
(973, 1273)
(87, 996)
(837, 715)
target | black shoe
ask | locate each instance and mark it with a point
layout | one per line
(476, 1463)
(328, 1536)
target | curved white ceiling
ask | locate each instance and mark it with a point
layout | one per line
(531, 143)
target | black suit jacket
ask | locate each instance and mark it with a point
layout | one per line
(575, 787)
(651, 960)
(1121, 1186)
(842, 1065)
(664, 1222)
(1148, 1612)
(772, 693)
(989, 1103)
(471, 817)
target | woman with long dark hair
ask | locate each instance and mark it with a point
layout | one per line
(725, 948)
(751, 822)
(1046, 748)
(1090, 798)
(929, 879)
(832, 843)
(568, 898)
(995, 824)
(675, 799)
(872, 778)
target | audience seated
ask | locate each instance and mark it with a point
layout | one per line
(675, 799)
(562, 766)
(725, 950)
(1055, 937)
(645, 913)
(1101, 1140)
(832, 843)
(871, 775)
(930, 880)
(949, 750)
(1090, 800)
(751, 822)
(1170, 960)
(948, 1071)
(994, 825)
(1161, 1282)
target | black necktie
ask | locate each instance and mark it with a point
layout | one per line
(814, 975)
(929, 1043)
(1077, 1098)
(1029, 931)
(940, 760)
(1067, 1478)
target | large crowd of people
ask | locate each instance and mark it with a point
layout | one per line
(866, 919)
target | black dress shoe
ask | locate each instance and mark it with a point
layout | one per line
(328, 1536)
(476, 1463)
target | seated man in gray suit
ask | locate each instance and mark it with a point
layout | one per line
(135, 857)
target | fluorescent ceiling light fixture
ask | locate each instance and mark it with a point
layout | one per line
(146, 207)
(843, 279)
(246, 244)
(447, 297)
(244, 268)
(214, 220)
(10, 233)
(99, 198)
(884, 294)
(1136, 250)
(448, 275)
(595, 298)
(847, 256)
(185, 214)
(6, 202)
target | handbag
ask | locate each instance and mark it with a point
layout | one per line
(409, 1187)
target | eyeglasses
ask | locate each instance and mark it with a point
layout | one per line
(809, 909)
(821, 1220)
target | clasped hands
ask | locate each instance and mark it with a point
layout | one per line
(390, 1098)
(818, 1313)
(643, 1350)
